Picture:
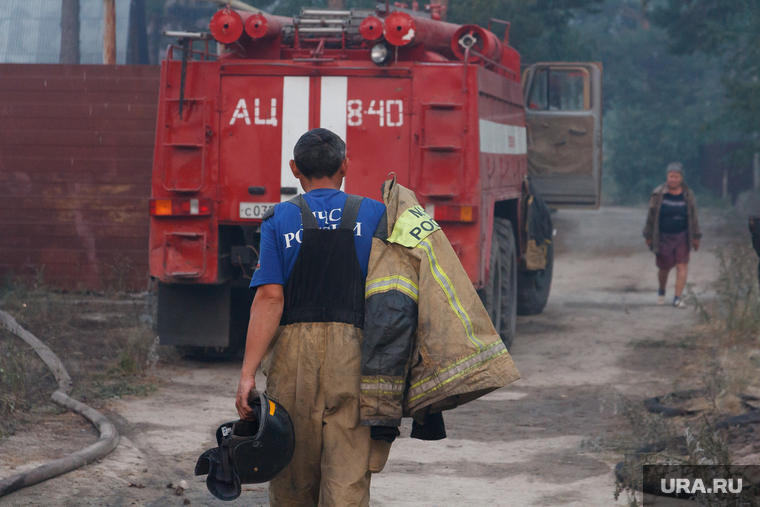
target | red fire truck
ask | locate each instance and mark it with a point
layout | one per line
(445, 107)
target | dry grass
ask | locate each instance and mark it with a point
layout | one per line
(134, 358)
(105, 341)
(13, 368)
(686, 442)
(118, 274)
(733, 318)
(722, 358)
(25, 384)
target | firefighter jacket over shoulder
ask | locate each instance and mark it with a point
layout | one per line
(428, 343)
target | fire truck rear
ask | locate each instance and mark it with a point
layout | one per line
(443, 106)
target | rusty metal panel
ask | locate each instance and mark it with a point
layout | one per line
(76, 154)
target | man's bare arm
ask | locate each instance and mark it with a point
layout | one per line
(266, 312)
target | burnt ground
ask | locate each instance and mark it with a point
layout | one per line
(550, 439)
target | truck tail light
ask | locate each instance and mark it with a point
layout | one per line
(180, 207)
(451, 213)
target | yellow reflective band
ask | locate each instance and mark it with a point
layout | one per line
(413, 226)
(451, 295)
(389, 283)
(373, 386)
(387, 278)
(444, 372)
(453, 374)
(271, 407)
(394, 388)
(451, 379)
(397, 287)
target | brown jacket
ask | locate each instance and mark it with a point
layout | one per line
(428, 343)
(652, 227)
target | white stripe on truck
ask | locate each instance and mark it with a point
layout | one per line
(332, 107)
(501, 139)
(295, 122)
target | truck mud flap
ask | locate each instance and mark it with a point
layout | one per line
(194, 315)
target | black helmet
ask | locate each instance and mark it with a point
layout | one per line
(249, 452)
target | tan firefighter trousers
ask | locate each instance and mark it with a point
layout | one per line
(313, 370)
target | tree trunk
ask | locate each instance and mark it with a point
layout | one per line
(137, 39)
(155, 21)
(69, 32)
(336, 5)
(109, 32)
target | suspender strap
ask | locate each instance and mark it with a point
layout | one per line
(347, 221)
(350, 212)
(307, 217)
(326, 283)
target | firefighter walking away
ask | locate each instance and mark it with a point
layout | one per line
(306, 324)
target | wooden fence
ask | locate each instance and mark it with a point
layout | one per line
(76, 151)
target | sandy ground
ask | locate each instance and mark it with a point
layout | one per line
(520, 446)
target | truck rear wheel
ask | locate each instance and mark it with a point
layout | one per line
(499, 296)
(533, 287)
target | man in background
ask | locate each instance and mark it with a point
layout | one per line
(672, 230)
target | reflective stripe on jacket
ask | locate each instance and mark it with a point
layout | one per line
(428, 343)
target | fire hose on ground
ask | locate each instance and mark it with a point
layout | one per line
(109, 437)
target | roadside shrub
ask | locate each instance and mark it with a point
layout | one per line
(118, 276)
(735, 314)
(136, 354)
(689, 444)
(13, 366)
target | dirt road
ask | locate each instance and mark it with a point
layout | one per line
(520, 446)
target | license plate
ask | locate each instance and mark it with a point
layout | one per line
(253, 210)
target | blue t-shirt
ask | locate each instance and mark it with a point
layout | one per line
(281, 234)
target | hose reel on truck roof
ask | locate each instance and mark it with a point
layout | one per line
(383, 30)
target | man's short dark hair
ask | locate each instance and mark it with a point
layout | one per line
(319, 153)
